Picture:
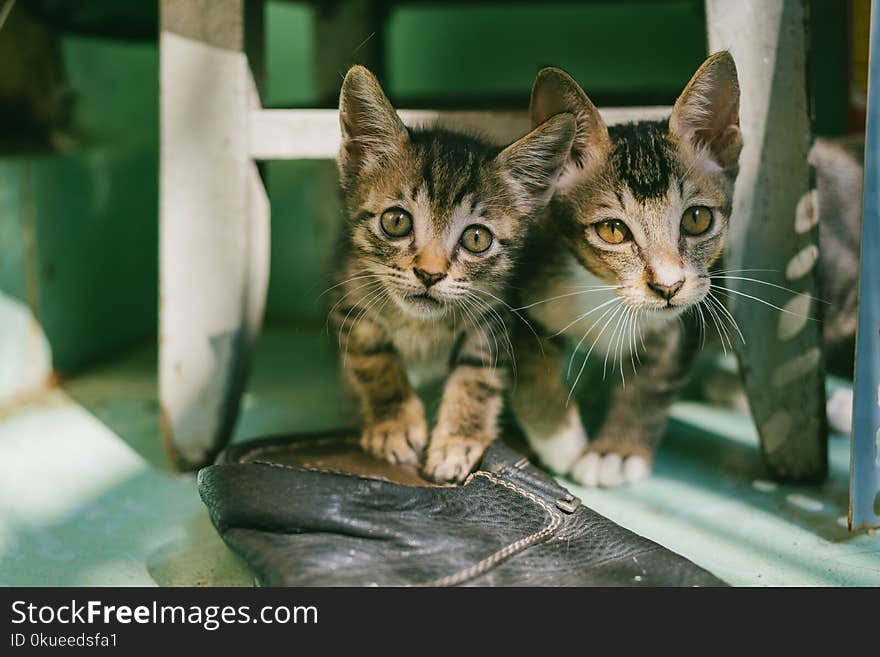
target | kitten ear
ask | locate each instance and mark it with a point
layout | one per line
(555, 91)
(371, 129)
(531, 165)
(706, 113)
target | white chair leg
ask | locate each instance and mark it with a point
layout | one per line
(213, 226)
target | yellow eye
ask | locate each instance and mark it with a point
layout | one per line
(476, 239)
(696, 220)
(396, 222)
(613, 231)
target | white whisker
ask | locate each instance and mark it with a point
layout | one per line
(766, 303)
(570, 294)
(502, 325)
(586, 333)
(349, 280)
(722, 333)
(368, 284)
(511, 309)
(742, 271)
(699, 308)
(587, 357)
(374, 300)
(585, 315)
(726, 313)
(778, 287)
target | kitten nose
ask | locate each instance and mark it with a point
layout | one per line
(428, 277)
(666, 291)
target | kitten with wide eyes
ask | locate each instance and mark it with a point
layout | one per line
(625, 247)
(435, 223)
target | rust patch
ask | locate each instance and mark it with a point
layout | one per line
(21, 400)
(167, 440)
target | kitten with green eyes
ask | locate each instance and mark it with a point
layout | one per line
(435, 223)
(624, 249)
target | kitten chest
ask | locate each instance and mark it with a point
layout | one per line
(426, 348)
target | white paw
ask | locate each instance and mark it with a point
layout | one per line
(838, 410)
(561, 449)
(609, 470)
(451, 459)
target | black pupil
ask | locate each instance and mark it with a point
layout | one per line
(476, 239)
(396, 222)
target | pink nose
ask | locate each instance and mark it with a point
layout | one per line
(666, 291)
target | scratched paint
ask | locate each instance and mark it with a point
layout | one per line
(806, 215)
(804, 502)
(795, 316)
(802, 262)
(796, 368)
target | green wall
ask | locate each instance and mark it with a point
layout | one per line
(78, 229)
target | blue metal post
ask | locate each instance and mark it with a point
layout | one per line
(864, 509)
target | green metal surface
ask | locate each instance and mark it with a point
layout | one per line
(78, 230)
(476, 51)
(13, 234)
(289, 50)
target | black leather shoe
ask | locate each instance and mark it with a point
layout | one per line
(315, 511)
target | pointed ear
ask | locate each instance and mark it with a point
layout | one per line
(706, 113)
(371, 129)
(555, 91)
(531, 165)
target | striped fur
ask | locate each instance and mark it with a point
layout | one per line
(609, 297)
(393, 325)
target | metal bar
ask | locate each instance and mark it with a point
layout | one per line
(314, 134)
(864, 509)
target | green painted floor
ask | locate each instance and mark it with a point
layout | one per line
(86, 496)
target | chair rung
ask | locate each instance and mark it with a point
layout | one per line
(314, 134)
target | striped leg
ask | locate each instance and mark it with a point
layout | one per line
(469, 413)
(394, 419)
(539, 402)
(624, 449)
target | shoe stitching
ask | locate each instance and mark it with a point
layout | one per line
(484, 564)
(517, 546)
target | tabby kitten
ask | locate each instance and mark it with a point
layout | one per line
(624, 249)
(436, 221)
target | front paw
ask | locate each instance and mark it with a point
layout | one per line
(400, 438)
(451, 458)
(560, 449)
(609, 468)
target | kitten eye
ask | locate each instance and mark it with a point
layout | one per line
(696, 220)
(396, 222)
(476, 239)
(613, 231)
